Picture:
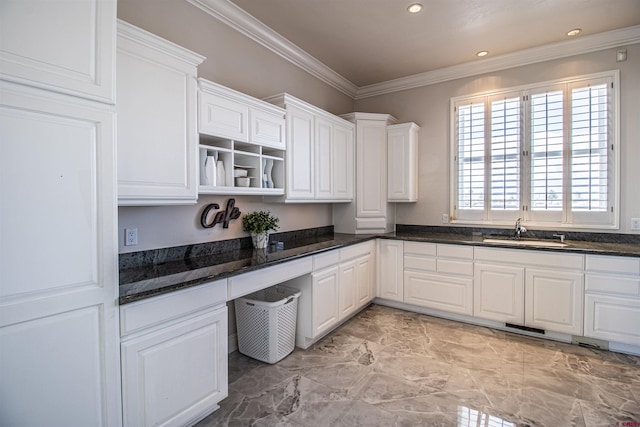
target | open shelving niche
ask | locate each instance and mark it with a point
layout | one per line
(259, 161)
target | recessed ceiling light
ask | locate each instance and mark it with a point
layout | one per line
(414, 8)
(574, 32)
(482, 53)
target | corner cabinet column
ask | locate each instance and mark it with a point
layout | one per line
(157, 129)
(371, 212)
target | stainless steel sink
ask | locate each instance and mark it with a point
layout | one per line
(539, 243)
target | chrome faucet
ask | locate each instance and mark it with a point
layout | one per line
(519, 229)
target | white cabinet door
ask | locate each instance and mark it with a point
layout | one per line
(176, 375)
(371, 140)
(499, 293)
(553, 300)
(365, 276)
(157, 132)
(323, 158)
(333, 160)
(222, 117)
(325, 299)
(614, 318)
(390, 270)
(348, 285)
(343, 163)
(59, 341)
(402, 162)
(267, 129)
(440, 292)
(62, 46)
(300, 173)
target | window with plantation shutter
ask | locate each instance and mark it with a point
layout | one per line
(470, 157)
(544, 153)
(505, 146)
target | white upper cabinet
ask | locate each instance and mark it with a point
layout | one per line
(320, 153)
(402, 162)
(79, 60)
(226, 113)
(242, 143)
(157, 131)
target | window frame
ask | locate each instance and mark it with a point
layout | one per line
(567, 218)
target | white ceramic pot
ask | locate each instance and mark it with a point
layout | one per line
(260, 241)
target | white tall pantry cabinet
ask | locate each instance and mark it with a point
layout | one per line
(59, 352)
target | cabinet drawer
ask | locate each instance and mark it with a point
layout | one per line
(455, 251)
(244, 284)
(355, 251)
(612, 264)
(451, 266)
(156, 310)
(326, 259)
(428, 249)
(419, 262)
(613, 284)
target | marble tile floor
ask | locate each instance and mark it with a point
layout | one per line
(389, 367)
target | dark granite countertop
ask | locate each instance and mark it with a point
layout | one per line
(144, 281)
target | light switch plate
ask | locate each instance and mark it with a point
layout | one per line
(635, 224)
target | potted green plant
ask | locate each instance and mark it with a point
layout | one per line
(260, 224)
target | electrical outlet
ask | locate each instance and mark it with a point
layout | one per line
(130, 236)
(445, 218)
(635, 224)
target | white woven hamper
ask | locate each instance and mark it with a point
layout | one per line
(266, 323)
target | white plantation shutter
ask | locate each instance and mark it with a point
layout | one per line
(505, 156)
(591, 151)
(542, 152)
(546, 149)
(470, 165)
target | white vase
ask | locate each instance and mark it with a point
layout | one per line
(260, 241)
(220, 174)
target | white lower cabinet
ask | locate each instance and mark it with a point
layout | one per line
(499, 293)
(439, 276)
(348, 285)
(174, 356)
(390, 270)
(340, 285)
(518, 291)
(325, 296)
(553, 300)
(366, 279)
(612, 299)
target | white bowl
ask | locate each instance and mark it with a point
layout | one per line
(242, 181)
(240, 172)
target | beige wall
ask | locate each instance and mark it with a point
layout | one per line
(237, 62)
(428, 106)
(166, 226)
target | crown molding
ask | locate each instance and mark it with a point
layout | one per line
(246, 24)
(586, 44)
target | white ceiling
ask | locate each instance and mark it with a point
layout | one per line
(373, 41)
